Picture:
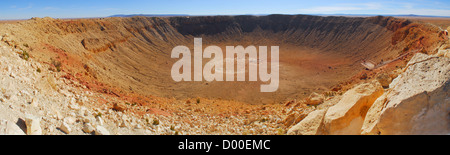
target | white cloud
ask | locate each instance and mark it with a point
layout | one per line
(340, 8)
(388, 8)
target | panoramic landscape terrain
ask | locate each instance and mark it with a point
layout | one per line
(338, 75)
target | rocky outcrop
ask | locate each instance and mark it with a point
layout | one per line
(9, 128)
(418, 102)
(314, 99)
(294, 118)
(384, 80)
(33, 125)
(443, 52)
(100, 130)
(348, 115)
(65, 128)
(310, 125)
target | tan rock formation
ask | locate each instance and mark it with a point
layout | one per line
(33, 125)
(443, 53)
(418, 103)
(348, 115)
(310, 125)
(294, 118)
(9, 128)
(119, 107)
(384, 80)
(314, 99)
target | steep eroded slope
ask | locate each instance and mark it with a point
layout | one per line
(122, 55)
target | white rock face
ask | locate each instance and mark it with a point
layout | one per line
(418, 102)
(65, 128)
(310, 125)
(70, 120)
(101, 131)
(347, 117)
(99, 120)
(87, 128)
(315, 99)
(33, 125)
(9, 128)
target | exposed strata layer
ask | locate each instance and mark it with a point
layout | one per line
(114, 74)
(133, 54)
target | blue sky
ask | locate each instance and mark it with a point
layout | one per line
(25, 9)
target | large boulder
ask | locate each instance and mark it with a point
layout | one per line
(384, 80)
(8, 128)
(418, 102)
(310, 125)
(373, 113)
(33, 125)
(347, 116)
(100, 130)
(314, 99)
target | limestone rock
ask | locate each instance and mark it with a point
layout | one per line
(384, 79)
(86, 120)
(300, 117)
(58, 115)
(101, 131)
(33, 125)
(289, 120)
(310, 125)
(87, 128)
(8, 128)
(65, 128)
(293, 118)
(443, 53)
(314, 99)
(347, 116)
(418, 102)
(99, 120)
(74, 106)
(373, 114)
(34, 102)
(70, 120)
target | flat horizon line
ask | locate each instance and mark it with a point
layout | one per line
(188, 15)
